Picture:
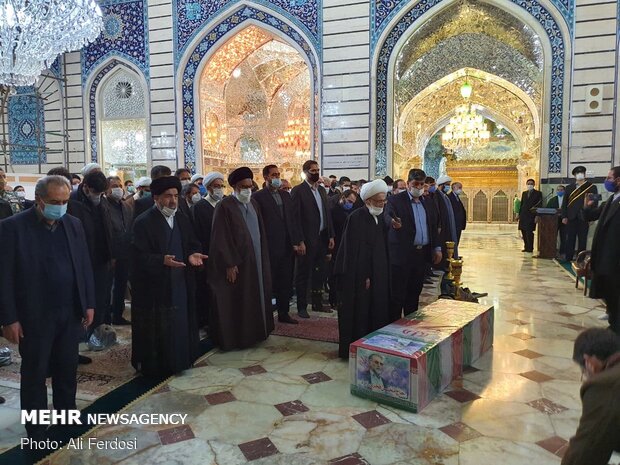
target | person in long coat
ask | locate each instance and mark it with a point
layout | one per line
(362, 269)
(165, 254)
(239, 269)
(530, 200)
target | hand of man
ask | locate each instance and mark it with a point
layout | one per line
(231, 274)
(437, 257)
(171, 262)
(13, 332)
(88, 319)
(564, 220)
(397, 223)
(331, 244)
(590, 203)
(196, 259)
(367, 283)
(301, 249)
(328, 257)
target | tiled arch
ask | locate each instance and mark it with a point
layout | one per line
(236, 20)
(555, 94)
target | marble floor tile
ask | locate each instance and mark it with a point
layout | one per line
(502, 386)
(503, 451)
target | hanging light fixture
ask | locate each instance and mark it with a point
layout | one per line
(466, 129)
(34, 32)
(296, 136)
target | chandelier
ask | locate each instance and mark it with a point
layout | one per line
(214, 132)
(34, 32)
(296, 136)
(466, 129)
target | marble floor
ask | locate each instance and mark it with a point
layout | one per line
(287, 401)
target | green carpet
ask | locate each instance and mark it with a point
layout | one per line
(109, 403)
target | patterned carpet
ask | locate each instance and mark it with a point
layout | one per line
(316, 329)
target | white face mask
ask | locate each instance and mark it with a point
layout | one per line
(218, 194)
(415, 192)
(375, 211)
(167, 211)
(185, 182)
(244, 195)
(117, 193)
(20, 194)
(196, 198)
(580, 176)
(458, 191)
(530, 187)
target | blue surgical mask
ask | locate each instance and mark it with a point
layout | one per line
(131, 189)
(432, 189)
(54, 212)
(146, 194)
(446, 189)
(202, 189)
(276, 183)
(610, 185)
(560, 193)
(347, 206)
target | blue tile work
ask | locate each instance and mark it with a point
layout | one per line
(26, 127)
(383, 11)
(556, 94)
(192, 15)
(125, 34)
(236, 20)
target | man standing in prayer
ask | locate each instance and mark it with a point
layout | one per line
(362, 269)
(145, 202)
(576, 226)
(530, 200)
(449, 231)
(280, 226)
(47, 296)
(460, 213)
(165, 252)
(239, 274)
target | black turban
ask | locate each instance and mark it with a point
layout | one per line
(161, 185)
(238, 175)
(579, 169)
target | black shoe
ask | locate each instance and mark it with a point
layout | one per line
(120, 321)
(82, 360)
(321, 309)
(2, 400)
(302, 314)
(287, 319)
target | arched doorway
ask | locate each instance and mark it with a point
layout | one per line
(255, 104)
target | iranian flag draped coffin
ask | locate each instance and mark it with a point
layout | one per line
(406, 364)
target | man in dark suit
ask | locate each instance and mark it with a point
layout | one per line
(413, 243)
(605, 259)
(576, 226)
(316, 234)
(530, 200)
(557, 202)
(144, 203)
(277, 211)
(46, 296)
(5, 209)
(460, 214)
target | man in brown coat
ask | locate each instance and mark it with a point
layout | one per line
(597, 351)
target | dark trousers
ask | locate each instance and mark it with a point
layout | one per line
(282, 281)
(562, 236)
(576, 232)
(311, 273)
(407, 282)
(528, 239)
(102, 276)
(119, 288)
(608, 289)
(49, 347)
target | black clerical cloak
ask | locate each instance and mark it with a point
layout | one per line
(243, 311)
(163, 318)
(362, 255)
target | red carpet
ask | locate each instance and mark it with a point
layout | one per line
(316, 329)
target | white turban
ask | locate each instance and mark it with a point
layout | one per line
(212, 176)
(90, 167)
(372, 188)
(144, 181)
(196, 177)
(444, 178)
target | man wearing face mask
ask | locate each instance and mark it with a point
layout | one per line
(279, 220)
(190, 196)
(145, 202)
(121, 217)
(362, 269)
(557, 202)
(449, 230)
(340, 212)
(165, 256)
(239, 270)
(46, 296)
(198, 179)
(399, 186)
(605, 258)
(530, 200)
(184, 176)
(413, 243)
(317, 236)
(572, 218)
(460, 214)
(597, 352)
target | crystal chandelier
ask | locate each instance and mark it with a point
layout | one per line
(34, 32)
(466, 129)
(296, 136)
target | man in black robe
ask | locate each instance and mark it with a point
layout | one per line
(239, 271)
(530, 200)
(165, 252)
(576, 226)
(362, 269)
